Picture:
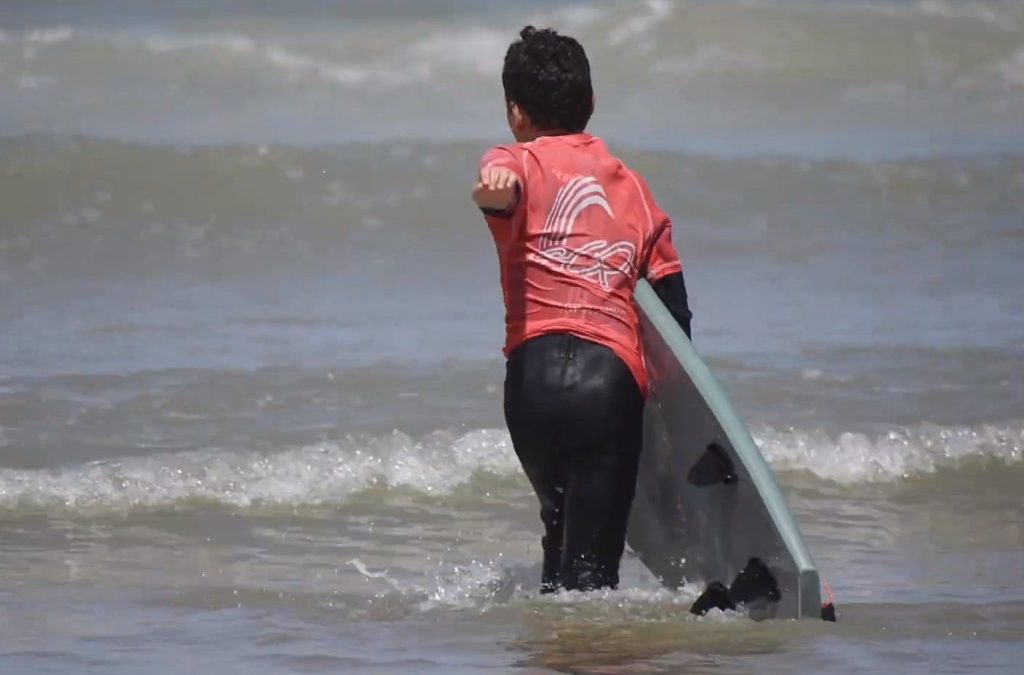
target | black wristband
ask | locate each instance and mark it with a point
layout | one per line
(507, 212)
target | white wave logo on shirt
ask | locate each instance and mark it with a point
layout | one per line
(598, 261)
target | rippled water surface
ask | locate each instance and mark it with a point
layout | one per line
(250, 379)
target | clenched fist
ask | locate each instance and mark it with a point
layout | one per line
(496, 189)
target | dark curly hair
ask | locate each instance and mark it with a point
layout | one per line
(548, 76)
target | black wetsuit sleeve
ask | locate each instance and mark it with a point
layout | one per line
(671, 289)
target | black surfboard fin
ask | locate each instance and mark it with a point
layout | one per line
(713, 467)
(715, 596)
(755, 585)
(754, 582)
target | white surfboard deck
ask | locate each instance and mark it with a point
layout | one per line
(685, 532)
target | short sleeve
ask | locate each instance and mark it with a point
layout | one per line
(504, 158)
(502, 224)
(661, 256)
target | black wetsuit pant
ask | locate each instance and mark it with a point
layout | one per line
(575, 413)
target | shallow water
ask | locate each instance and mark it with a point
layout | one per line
(250, 386)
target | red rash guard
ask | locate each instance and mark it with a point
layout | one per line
(584, 230)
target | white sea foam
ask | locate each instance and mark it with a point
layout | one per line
(288, 60)
(1011, 70)
(639, 24)
(480, 51)
(30, 81)
(476, 51)
(317, 474)
(457, 586)
(858, 458)
(294, 62)
(572, 19)
(329, 473)
(711, 58)
(482, 583)
(229, 42)
(985, 12)
(49, 36)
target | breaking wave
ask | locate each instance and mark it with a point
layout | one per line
(896, 455)
(326, 473)
(331, 473)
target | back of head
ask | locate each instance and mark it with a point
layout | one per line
(548, 76)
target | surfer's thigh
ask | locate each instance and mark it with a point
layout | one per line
(606, 423)
(603, 406)
(534, 398)
(602, 454)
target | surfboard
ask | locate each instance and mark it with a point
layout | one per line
(706, 500)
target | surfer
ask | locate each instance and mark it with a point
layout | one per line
(575, 230)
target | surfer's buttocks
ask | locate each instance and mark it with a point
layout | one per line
(575, 229)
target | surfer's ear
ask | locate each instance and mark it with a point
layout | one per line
(518, 120)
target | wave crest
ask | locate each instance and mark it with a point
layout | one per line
(331, 472)
(898, 454)
(325, 473)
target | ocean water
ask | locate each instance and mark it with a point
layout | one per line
(250, 378)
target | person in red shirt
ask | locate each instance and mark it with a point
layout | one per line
(575, 229)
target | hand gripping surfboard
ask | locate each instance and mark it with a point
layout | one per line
(706, 501)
